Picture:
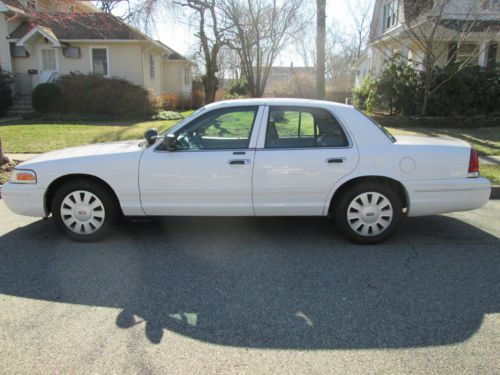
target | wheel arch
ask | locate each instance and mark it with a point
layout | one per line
(391, 182)
(60, 181)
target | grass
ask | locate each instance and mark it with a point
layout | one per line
(28, 137)
(485, 140)
(491, 172)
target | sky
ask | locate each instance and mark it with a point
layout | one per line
(177, 34)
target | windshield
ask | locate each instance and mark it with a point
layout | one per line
(183, 121)
(384, 130)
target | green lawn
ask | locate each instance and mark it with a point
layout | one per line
(492, 172)
(26, 137)
(485, 140)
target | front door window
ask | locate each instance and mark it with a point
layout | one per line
(223, 129)
(49, 60)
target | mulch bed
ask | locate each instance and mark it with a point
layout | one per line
(6, 169)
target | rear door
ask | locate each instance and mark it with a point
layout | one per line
(301, 154)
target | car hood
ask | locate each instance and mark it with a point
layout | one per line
(430, 141)
(93, 150)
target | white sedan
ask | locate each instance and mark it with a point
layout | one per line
(262, 157)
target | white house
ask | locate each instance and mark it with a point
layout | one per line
(388, 34)
(43, 39)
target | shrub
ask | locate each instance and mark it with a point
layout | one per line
(239, 87)
(46, 97)
(116, 97)
(169, 101)
(366, 96)
(474, 90)
(5, 91)
(168, 115)
(229, 96)
(398, 89)
(198, 98)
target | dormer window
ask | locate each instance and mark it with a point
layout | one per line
(390, 14)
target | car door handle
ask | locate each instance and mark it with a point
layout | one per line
(238, 161)
(335, 160)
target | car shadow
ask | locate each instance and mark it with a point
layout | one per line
(288, 283)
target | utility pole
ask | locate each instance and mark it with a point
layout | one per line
(320, 48)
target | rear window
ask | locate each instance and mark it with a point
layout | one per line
(384, 130)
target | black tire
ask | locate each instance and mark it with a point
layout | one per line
(104, 200)
(379, 213)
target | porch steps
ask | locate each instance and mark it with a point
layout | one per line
(21, 106)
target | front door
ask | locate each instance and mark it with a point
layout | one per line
(48, 64)
(301, 155)
(210, 173)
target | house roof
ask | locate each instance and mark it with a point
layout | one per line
(78, 26)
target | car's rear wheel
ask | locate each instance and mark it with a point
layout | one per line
(84, 210)
(368, 213)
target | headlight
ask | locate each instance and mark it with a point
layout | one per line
(23, 176)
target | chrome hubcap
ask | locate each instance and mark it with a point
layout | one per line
(369, 214)
(82, 212)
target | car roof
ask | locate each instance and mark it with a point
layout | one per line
(275, 101)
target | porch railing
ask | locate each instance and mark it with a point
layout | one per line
(23, 83)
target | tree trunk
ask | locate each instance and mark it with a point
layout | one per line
(210, 86)
(320, 48)
(427, 90)
(3, 158)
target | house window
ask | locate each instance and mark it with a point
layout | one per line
(390, 14)
(186, 76)
(464, 53)
(100, 61)
(152, 70)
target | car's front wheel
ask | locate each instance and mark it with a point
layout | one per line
(83, 210)
(368, 213)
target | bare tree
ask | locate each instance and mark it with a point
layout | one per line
(430, 32)
(320, 48)
(259, 30)
(360, 11)
(108, 6)
(305, 45)
(211, 36)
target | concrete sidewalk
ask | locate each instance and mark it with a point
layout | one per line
(21, 157)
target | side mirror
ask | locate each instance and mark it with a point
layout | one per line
(170, 142)
(151, 135)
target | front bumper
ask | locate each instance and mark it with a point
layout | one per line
(27, 200)
(441, 196)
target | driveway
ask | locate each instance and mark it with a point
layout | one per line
(250, 296)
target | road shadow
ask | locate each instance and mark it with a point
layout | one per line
(283, 283)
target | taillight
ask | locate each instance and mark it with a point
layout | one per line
(473, 164)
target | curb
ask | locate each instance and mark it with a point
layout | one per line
(495, 192)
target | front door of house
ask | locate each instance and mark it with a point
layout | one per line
(48, 64)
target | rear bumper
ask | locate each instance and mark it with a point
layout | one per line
(27, 200)
(441, 196)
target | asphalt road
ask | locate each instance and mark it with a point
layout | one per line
(252, 296)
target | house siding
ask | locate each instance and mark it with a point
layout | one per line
(173, 77)
(155, 85)
(124, 60)
(5, 61)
